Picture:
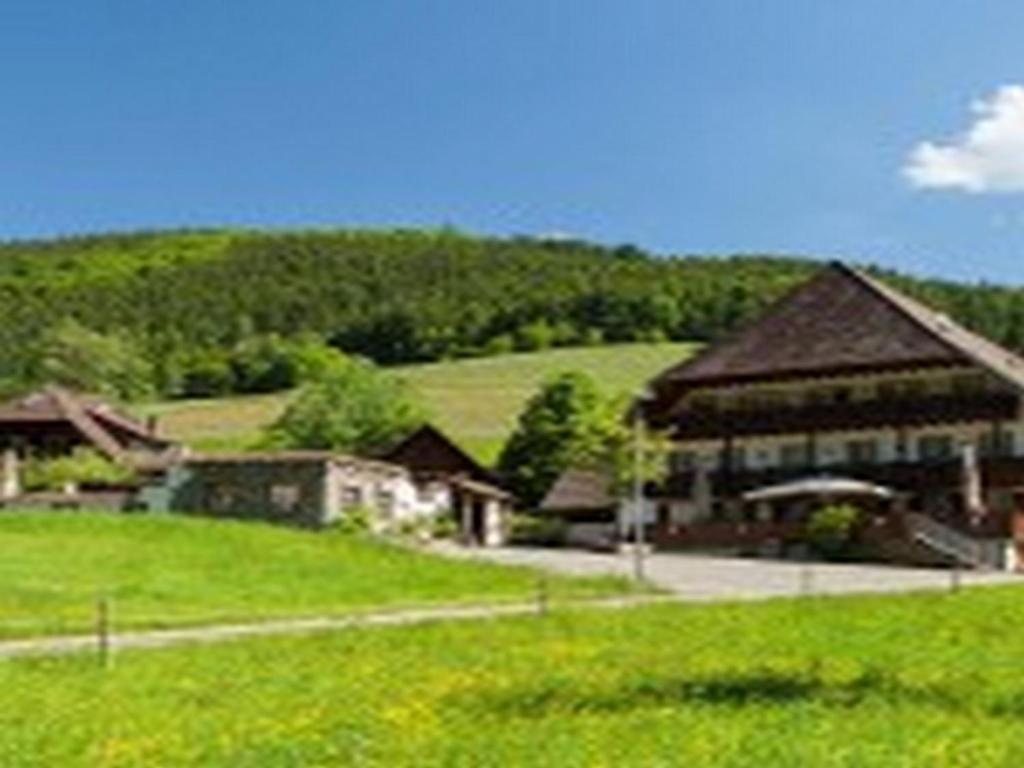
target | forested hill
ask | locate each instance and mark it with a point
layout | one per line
(185, 303)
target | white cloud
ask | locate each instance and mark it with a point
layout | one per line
(989, 157)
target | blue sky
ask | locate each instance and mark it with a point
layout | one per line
(873, 130)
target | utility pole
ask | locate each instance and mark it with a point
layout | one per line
(638, 492)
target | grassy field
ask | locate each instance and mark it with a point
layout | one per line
(164, 571)
(476, 401)
(925, 680)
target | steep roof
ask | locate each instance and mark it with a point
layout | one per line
(840, 321)
(578, 490)
(98, 423)
(430, 451)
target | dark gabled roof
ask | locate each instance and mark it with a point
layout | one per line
(97, 422)
(579, 490)
(429, 451)
(840, 321)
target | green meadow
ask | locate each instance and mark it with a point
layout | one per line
(476, 401)
(173, 571)
(916, 680)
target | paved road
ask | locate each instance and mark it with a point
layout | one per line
(704, 577)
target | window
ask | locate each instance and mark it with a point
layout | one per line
(425, 493)
(999, 443)
(284, 497)
(351, 496)
(901, 390)
(1002, 501)
(935, 447)
(862, 451)
(795, 455)
(736, 458)
(682, 461)
(386, 500)
(968, 384)
(704, 403)
(840, 395)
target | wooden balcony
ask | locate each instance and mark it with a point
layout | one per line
(866, 414)
(907, 477)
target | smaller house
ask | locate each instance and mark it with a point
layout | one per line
(53, 422)
(479, 504)
(306, 488)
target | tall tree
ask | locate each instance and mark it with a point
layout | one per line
(352, 406)
(108, 364)
(568, 422)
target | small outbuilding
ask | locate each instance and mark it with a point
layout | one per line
(479, 504)
(583, 500)
(311, 489)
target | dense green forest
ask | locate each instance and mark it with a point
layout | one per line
(209, 312)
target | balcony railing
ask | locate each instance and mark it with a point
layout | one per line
(865, 414)
(910, 477)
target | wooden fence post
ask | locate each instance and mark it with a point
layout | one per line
(542, 595)
(806, 579)
(103, 620)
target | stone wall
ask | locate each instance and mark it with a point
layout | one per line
(287, 492)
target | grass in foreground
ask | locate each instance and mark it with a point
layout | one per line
(476, 401)
(164, 571)
(925, 680)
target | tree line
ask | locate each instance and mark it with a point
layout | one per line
(200, 313)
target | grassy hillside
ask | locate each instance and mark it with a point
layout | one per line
(184, 302)
(162, 571)
(921, 680)
(179, 313)
(477, 400)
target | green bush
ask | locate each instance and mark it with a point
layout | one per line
(353, 407)
(830, 530)
(355, 520)
(537, 531)
(84, 466)
(444, 527)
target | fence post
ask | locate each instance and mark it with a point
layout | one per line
(103, 619)
(954, 576)
(806, 579)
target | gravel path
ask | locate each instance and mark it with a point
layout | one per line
(684, 577)
(160, 638)
(705, 577)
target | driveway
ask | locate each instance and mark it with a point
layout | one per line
(706, 577)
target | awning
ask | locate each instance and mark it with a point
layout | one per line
(820, 487)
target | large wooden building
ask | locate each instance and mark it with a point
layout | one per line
(844, 386)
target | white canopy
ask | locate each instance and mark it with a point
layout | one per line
(820, 487)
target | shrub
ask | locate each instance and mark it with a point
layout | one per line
(206, 374)
(444, 526)
(501, 344)
(830, 530)
(353, 407)
(537, 531)
(84, 466)
(355, 520)
(534, 336)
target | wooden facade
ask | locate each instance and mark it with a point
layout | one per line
(847, 378)
(54, 421)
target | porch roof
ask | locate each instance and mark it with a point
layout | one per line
(821, 487)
